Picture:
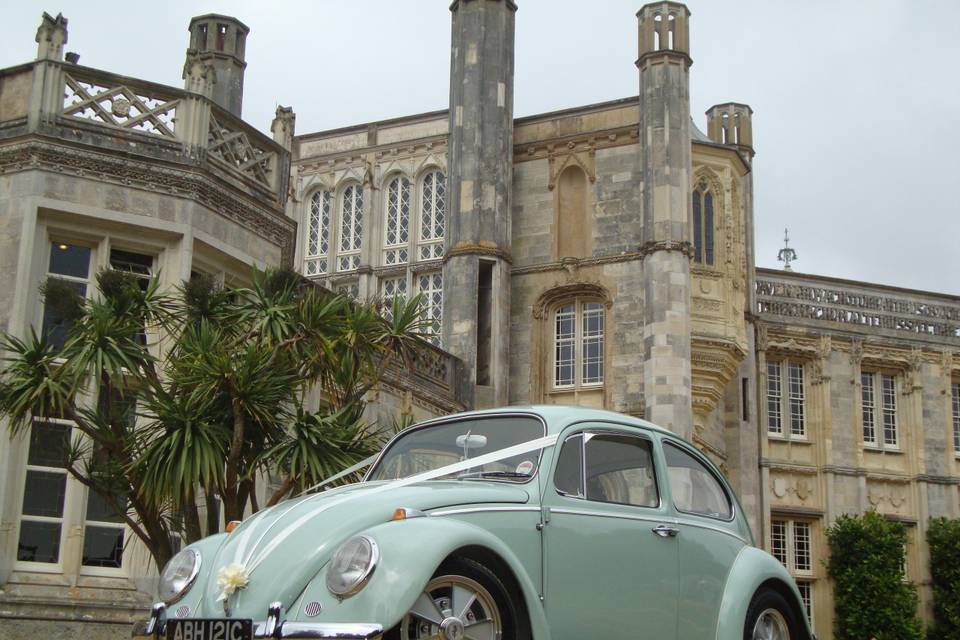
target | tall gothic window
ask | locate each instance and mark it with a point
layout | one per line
(391, 288)
(786, 417)
(44, 496)
(430, 286)
(318, 234)
(397, 223)
(703, 224)
(351, 228)
(432, 215)
(578, 338)
(878, 402)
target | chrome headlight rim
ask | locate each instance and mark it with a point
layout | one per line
(365, 576)
(194, 572)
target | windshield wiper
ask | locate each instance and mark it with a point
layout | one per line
(493, 474)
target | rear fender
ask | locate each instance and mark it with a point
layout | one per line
(410, 552)
(752, 568)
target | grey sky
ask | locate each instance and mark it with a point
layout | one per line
(855, 103)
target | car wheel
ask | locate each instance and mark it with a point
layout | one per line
(770, 617)
(463, 601)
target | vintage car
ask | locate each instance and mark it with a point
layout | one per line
(517, 523)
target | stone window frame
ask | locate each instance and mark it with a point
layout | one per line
(879, 400)
(786, 398)
(803, 575)
(401, 287)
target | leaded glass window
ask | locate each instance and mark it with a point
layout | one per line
(397, 232)
(430, 286)
(578, 343)
(351, 228)
(391, 288)
(786, 398)
(432, 215)
(318, 234)
(703, 228)
(878, 404)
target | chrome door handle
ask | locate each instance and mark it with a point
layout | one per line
(664, 531)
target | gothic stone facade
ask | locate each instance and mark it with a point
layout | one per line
(601, 255)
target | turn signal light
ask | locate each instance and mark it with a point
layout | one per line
(233, 524)
(405, 513)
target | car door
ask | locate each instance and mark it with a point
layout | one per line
(610, 551)
(709, 537)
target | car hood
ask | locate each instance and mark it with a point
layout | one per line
(282, 548)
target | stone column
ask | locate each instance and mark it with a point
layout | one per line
(46, 96)
(476, 270)
(665, 150)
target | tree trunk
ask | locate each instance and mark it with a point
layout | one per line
(191, 520)
(213, 513)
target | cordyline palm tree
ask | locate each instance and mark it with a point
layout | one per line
(220, 399)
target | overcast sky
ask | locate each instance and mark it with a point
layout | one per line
(855, 103)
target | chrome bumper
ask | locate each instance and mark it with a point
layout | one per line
(272, 627)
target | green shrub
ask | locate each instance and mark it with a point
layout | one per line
(943, 536)
(871, 599)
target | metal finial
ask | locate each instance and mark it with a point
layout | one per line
(787, 254)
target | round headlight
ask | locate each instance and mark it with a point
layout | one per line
(179, 574)
(352, 565)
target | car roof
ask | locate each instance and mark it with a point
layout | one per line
(558, 417)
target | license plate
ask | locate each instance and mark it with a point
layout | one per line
(209, 629)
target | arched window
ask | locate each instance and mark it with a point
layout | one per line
(318, 234)
(430, 287)
(351, 228)
(397, 230)
(432, 215)
(703, 224)
(578, 337)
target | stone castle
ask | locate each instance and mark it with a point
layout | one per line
(601, 255)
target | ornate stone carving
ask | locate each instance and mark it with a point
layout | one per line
(784, 486)
(713, 365)
(212, 193)
(563, 159)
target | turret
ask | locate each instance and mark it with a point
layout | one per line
(731, 123)
(665, 154)
(219, 42)
(476, 270)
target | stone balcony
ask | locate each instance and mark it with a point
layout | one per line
(87, 122)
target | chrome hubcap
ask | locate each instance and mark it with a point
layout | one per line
(453, 608)
(770, 626)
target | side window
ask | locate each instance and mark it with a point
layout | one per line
(569, 476)
(619, 469)
(693, 486)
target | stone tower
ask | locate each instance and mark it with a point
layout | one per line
(664, 64)
(476, 269)
(731, 123)
(220, 41)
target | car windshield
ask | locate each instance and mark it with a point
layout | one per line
(432, 447)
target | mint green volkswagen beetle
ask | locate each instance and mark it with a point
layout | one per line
(518, 523)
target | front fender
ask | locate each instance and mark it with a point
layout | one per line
(751, 569)
(410, 552)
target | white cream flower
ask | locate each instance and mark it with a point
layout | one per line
(231, 578)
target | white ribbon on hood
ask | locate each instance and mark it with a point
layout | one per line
(252, 562)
